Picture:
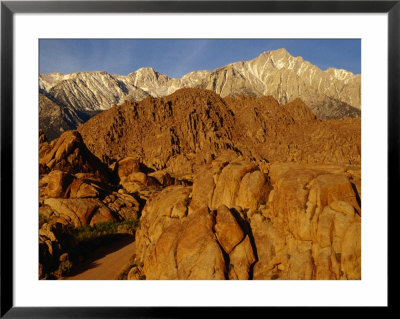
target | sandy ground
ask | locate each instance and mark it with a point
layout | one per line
(106, 262)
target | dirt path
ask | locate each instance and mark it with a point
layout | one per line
(106, 262)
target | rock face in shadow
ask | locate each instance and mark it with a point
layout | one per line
(54, 240)
(303, 224)
(55, 118)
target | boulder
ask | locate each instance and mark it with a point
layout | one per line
(163, 178)
(304, 226)
(204, 184)
(156, 216)
(198, 254)
(80, 211)
(131, 177)
(351, 252)
(252, 190)
(228, 183)
(240, 260)
(123, 205)
(80, 189)
(173, 245)
(227, 229)
(58, 183)
(134, 274)
(69, 154)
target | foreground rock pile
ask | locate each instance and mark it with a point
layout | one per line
(238, 222)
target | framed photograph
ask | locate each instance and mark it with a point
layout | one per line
(165, 157)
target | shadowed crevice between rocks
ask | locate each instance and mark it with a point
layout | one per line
(245, 225)
(224, 254)
(358, 198)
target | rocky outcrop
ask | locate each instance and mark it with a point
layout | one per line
(69, 154)
(131, 177)
(303, 223)
(75, 187)
(191, 127)
(301, 232)
(79, 211)
(265, 130)
(58, 183)
(227, 229)
(241, 259)
(190, 123)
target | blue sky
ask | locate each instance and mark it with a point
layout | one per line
(176, 57)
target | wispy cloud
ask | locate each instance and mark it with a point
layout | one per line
(195, 50)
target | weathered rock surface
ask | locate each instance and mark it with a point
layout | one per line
(172, 245)
(301, 232)
(69, 154)
(183, 131)
(188, 124)
(306, 225)
(76, 189)
(80, 189)
(131, 177)
(228, 231)
(58, 183)
(236, 183)
(241, 259)
(80, 211)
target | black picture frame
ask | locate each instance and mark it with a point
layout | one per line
(9, 8)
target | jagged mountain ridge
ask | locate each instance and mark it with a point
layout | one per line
(332, 93)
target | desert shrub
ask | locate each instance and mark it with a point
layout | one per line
(104, 229)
